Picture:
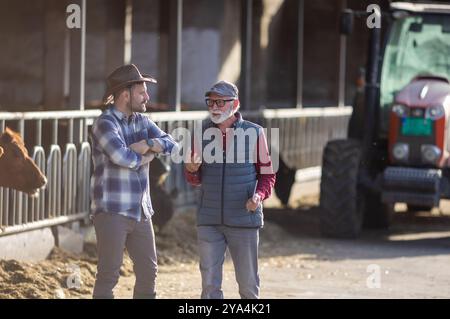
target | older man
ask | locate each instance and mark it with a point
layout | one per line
(233, 188)
(124, 141)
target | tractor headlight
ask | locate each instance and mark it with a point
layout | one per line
(435, 112)
(430, 153)
(400, 151)
(400, 110)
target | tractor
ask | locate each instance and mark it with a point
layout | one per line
(397, 145)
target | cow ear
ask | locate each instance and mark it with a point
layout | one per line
(18, 153)
(1, 151)
(7, 136)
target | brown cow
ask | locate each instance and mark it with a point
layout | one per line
(17, 169)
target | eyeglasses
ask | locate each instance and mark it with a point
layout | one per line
(220, 103)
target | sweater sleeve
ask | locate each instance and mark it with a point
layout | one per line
(265, 174)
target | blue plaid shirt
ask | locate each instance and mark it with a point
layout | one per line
(120, 183)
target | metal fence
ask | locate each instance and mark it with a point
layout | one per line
(60, 148)
(58, 142)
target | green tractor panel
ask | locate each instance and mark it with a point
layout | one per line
(397, 150)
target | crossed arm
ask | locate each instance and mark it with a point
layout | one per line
(158, 142)
(135, 155)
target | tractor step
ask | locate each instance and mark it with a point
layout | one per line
(411, 185)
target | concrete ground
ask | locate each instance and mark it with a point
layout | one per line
(408, 261)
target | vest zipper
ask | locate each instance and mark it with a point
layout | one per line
(223, 182)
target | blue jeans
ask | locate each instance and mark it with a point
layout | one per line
(242, 244)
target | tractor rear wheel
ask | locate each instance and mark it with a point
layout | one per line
(341, 201)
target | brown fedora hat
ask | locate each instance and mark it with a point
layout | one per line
(122, 77)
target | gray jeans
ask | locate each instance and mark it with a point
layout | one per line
(242, 244)
(115, 233)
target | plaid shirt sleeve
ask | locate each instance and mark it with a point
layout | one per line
(166, 140)
(108, 137)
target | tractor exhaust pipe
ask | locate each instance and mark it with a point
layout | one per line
(372, 89)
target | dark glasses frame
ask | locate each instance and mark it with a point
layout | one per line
(219, 102)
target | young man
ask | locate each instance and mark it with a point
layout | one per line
(233, 188)
(124, 141)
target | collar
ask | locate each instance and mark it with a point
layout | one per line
(239, 121)
(120, 115)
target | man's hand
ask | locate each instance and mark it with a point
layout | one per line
(147, 157)
(140, 147)
(157, 147)
(253, 203)
(195, 163)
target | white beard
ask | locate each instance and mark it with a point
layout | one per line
(220, 118)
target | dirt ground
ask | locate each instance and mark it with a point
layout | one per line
(410, 260)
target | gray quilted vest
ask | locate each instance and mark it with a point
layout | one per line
(227, 186)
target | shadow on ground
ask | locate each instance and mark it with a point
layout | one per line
(409, 235)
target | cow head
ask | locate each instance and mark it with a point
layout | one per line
(17, 169)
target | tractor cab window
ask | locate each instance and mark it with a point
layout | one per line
(417, 45)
